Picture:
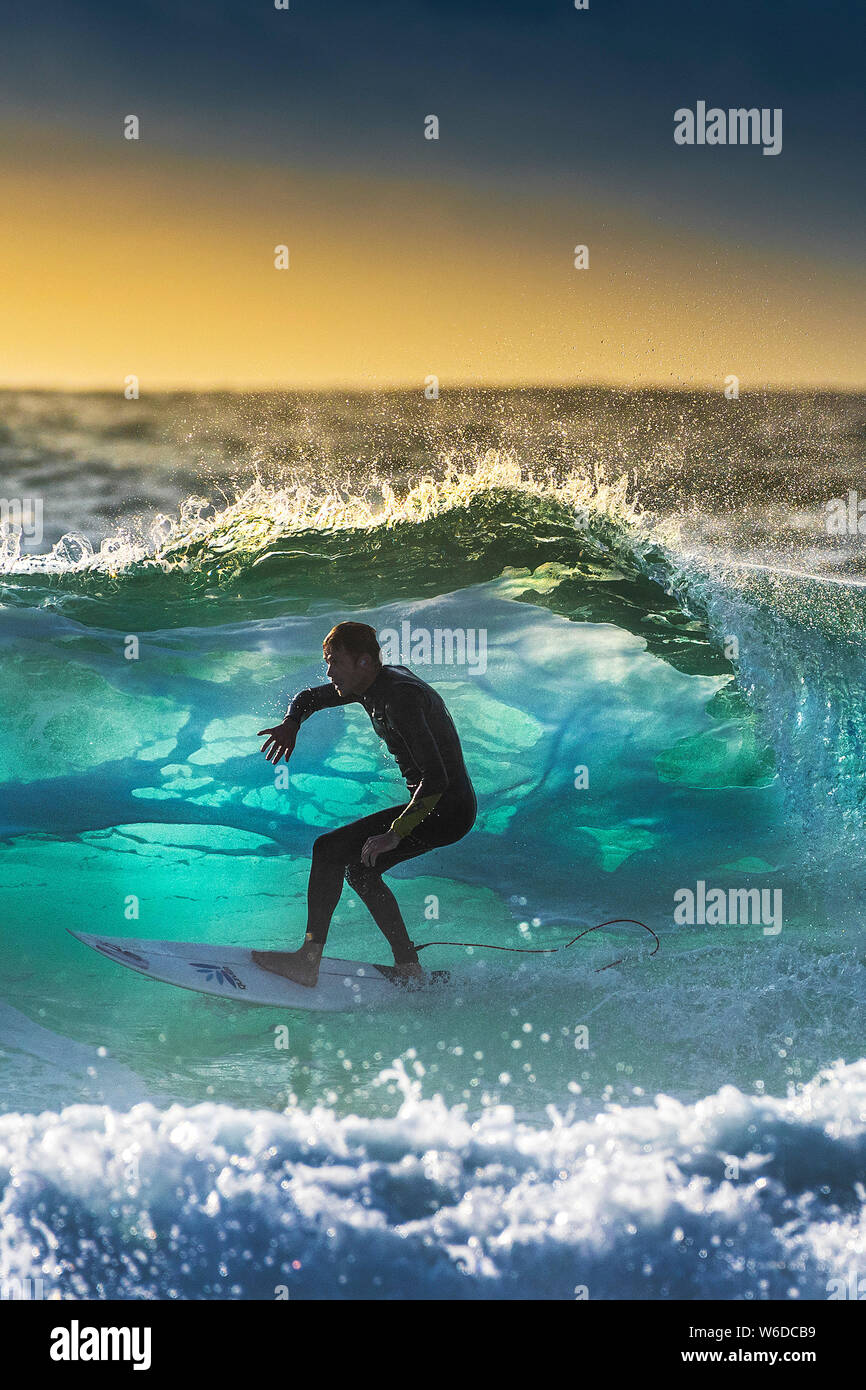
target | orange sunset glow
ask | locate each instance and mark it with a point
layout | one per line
(118, 261)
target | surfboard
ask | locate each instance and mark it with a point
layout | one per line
(231, 973)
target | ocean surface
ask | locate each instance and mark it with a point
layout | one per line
(665, 721)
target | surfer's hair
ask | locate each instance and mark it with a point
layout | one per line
(358, 639)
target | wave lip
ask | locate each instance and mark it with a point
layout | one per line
(735, 1197)
(247, 529)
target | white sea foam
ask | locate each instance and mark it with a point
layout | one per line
(735, 1196)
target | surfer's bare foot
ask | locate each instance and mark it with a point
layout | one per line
(301, 967)
(410, 970)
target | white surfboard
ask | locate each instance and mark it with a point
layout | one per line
(230, 973)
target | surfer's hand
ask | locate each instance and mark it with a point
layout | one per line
(280, 741)
(378, 844)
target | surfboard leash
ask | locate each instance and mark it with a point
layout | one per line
(551, 950)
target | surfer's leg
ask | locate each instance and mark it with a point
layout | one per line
(337, 855)
(331, 853)
(383, 907)
(377, 896)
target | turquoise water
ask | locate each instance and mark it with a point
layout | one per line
(688, 1123)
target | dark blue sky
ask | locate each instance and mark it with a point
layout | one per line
(535, 93)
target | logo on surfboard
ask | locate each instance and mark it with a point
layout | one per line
(125, 957)
(222, 974)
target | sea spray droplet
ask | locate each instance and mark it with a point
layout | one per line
(71, 550)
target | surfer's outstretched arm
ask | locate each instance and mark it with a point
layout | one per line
(308, 702)
(281, 738)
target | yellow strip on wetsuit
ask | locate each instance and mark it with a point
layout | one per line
(412, 816)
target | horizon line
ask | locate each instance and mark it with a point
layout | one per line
(461, 386)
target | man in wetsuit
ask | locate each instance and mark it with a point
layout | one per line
(417, 728)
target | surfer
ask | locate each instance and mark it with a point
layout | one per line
(418, 730)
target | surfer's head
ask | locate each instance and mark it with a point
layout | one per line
(353, 657)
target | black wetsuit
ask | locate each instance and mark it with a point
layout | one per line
(414, 722)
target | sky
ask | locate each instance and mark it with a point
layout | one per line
(412, 258)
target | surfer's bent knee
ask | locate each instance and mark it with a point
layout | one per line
(326, 844)
(360, 876)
